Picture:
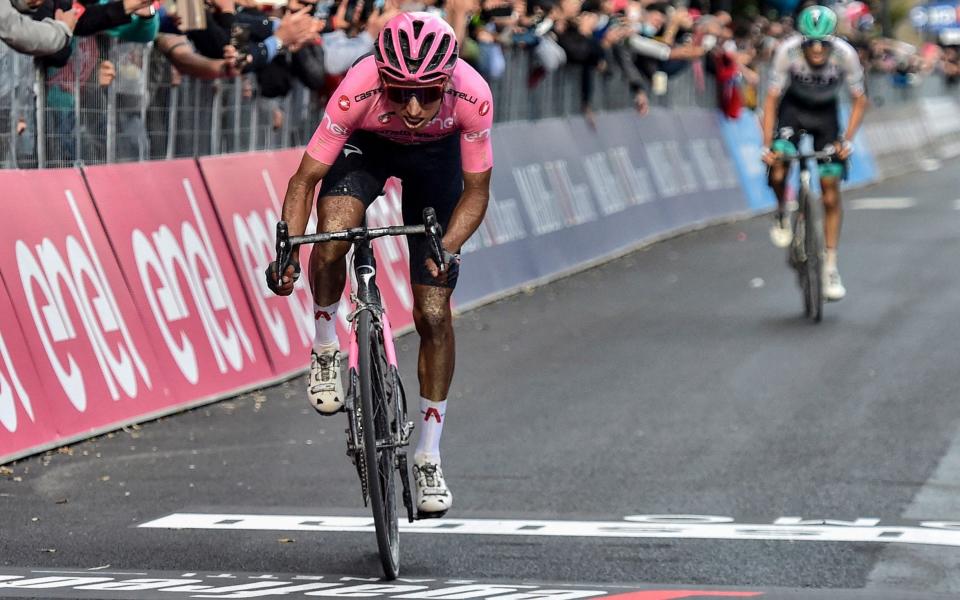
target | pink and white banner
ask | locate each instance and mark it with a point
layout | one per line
(247, 192)
(175, 259)
(24, 419)
(76, 317)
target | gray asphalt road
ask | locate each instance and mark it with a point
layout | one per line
(676, 380)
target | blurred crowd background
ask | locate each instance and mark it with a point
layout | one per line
(93, 81)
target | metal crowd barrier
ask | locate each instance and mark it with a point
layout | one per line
(84, 113)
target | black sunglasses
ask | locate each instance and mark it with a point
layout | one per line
(423, 94)
(809, 43)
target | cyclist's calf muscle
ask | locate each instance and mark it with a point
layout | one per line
(433, 319)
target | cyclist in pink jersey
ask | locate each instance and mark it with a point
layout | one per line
(415, 111)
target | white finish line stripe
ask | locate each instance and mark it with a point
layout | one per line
(937, 533)
(893, 203)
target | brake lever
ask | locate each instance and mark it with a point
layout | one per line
(284, 249)
(434, 233)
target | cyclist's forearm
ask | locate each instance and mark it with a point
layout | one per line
(466, 218)
(297, 204)
(298, 201)
(857, 111)
(769, 117)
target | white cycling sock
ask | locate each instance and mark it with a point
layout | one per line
(432, 414)
(325, 321)
(830, 259)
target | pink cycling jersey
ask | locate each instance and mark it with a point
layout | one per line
(358, 103)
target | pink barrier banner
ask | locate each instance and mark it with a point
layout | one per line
(24, 419)
(247, 191)
(176, 261)
(89, 350)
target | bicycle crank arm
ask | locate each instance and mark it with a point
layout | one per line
(405, 484)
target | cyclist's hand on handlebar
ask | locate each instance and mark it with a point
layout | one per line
(844, 149)
(282, 286)
(450, 259)
(768, 156)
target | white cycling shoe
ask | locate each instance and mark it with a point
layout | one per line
(833, 289)
(433, 497)
(780, 233)
(325, 386)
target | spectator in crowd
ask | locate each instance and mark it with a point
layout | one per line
(353, 29)
(270, 47)
(96, 17)
(36, 38)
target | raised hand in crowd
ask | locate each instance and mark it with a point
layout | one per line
(185, 60)
(296, 29)
(232, 61)
(377, 20)
(67, 17)
(458, 14)
(224, 6)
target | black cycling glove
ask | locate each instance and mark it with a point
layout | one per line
(273, 279)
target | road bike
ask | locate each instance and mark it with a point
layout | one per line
(378, 431)
(806, 251)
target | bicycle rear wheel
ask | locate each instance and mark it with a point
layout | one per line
(380, 462)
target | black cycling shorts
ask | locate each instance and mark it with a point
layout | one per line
(431, 174)
(820, 121)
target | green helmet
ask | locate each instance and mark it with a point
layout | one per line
(817, 22)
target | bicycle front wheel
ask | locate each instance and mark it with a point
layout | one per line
(380, 461)
(814, 245)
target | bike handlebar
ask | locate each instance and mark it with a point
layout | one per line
(286, 244)
(826, 154)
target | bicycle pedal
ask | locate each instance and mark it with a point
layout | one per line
(430, 515)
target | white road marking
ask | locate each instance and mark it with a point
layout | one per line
(938, 533)
(930, 569)
(890, 203)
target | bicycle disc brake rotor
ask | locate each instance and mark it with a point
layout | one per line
(360, 459)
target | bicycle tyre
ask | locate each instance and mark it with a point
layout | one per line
(796, 254)
(813, 241)
(381, 482)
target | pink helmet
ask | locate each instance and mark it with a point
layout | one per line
(416, 48)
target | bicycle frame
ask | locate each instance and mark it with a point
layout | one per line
(804, 253)
(367, 298)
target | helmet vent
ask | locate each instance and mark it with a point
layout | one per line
(453, 57)
(391, 52)
(439, 54)
(417, 28)
(414, 62)
(404, 40)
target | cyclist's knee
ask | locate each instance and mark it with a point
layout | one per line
(777, 175)
(325, 256)
(432, 314)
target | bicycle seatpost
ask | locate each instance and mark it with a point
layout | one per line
(434, 234)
